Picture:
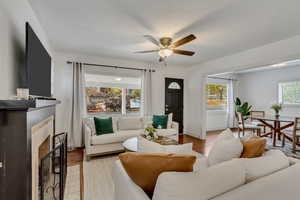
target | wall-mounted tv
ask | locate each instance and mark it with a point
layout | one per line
(38, 65)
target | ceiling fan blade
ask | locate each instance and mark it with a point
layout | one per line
(183, 52)
(183, 41)
(149, 51)
(152, 39)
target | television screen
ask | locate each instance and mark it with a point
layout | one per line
(38, 65)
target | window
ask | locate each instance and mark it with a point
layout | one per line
(110, 94)
(289, 93)
(133, 100)
(174, 85)
(100, 99)
(216, 96)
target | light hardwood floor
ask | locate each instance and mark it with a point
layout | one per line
(75, 157)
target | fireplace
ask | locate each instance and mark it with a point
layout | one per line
(26, 137)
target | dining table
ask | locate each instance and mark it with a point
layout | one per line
(277, 124)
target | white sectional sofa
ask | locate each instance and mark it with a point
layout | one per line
(227, 184)
(124, 128)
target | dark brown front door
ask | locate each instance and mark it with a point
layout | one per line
(174, 100)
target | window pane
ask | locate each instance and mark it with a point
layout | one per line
(174, 85)
(133, 100)
(290, 92)
(101, 99)
(216, 96)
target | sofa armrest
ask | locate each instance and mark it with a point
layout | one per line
(87, 135)
(175, 125)
(293, 161)
(125, 188)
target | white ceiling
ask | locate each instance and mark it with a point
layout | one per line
(115, 28)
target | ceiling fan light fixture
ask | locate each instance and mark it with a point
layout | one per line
(165, 52)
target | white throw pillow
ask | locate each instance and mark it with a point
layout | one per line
(272, 161)
(170, 120)
(178, 149)
(225, 148)
(201, 185)
(146, 146)
(130, 123)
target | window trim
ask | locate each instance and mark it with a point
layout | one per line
(279, 94)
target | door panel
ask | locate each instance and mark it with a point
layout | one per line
(174, 100)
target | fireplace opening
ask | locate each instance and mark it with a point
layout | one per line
(53, 168)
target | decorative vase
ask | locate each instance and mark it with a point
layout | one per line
(277, 115)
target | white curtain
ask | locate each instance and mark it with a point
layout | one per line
(147, 93)
(77, 106)
(231, 105)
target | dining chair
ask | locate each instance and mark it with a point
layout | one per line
(242, 126)
(256, 113)
(293, 135)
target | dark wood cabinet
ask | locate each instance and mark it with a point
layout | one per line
(17, 119)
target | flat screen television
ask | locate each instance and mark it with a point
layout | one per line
(37, 66)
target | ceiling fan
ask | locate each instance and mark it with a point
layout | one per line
(167, 47)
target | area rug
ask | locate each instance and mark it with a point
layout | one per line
(287, 149)
(72, 189)
(98, 182)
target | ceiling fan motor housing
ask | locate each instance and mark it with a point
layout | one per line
(165, 41)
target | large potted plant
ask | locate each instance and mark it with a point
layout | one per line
(243, 108)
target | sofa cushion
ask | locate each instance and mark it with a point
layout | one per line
(160, 121)
(130, 123)
(253, 147)
(130, 132)
(111, 138)
(89, 122)
(278, 186)
(103, 125)
(166, 132)
(147, 120)
(201, 185)
(144, 169)
(225, 148)
(272, 161)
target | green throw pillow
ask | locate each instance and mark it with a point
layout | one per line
(103, 125)
(160, 121)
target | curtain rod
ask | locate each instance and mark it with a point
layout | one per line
(228, 79)
(112, 66)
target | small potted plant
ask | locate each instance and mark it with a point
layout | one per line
(243, 108)
(150, 133)
(277, 108)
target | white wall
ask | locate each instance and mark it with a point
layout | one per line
(63, 81)
(13, 16)
(260, 88)
(280, 51)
